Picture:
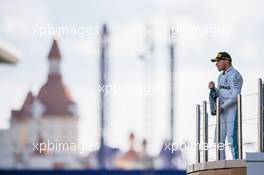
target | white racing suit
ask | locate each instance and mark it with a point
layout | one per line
(228, 87)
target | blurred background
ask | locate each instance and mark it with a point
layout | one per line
(116, 82)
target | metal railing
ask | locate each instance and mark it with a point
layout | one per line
(198, 133)
(260, 116)
(217, 128)
(240, 121)
(205, 131)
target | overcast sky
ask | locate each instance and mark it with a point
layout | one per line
(203, 28)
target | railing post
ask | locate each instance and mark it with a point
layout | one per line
(218, 124)
(239, 127)
(198, 133)
(260, 116)
(205, 132)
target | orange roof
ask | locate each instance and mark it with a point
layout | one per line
(25, 110)
(56, 98)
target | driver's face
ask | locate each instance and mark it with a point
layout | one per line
(220, 64)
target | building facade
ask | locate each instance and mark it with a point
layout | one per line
(49, 117)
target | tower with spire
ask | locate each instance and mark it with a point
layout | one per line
(54, 94)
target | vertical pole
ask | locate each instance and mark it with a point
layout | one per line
(239, 128)
(172, 90)
(218, 124)
(198, 133)
(103, 96)
(205, 132)
(260, 116)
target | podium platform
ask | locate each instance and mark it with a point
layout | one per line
(223, 167)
